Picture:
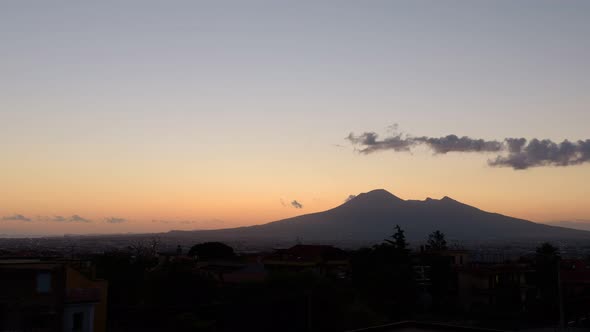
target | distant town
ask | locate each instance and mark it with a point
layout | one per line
(152, 283)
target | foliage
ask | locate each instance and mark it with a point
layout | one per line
(436, 241)
(546, 280)
(212, 251)
(399, 243)
(384, 276)
(546, 251)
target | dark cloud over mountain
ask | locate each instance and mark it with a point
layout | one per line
(349, 198)
(453, 143)
(517, 153)
(370, 142)
(296, 205)
(542, 153)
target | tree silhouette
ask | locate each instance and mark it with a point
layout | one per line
(546, 267)
(145, 248)
(398, 241)
(436, 241)
(547, 252)
(212, 250)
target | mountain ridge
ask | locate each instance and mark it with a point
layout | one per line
(371, 216)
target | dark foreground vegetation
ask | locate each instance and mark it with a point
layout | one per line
(321, 288)
(209, 287)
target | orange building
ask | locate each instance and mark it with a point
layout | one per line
(41, 295)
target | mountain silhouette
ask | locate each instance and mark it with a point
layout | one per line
(371, 217)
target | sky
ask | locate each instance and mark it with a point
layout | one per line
(146, 116)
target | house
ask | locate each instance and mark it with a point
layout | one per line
(50, 295)
(575, 282)
(321, 259)
(498, 287)
(456, 257)
(412, 326)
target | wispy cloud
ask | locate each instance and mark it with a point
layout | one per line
(73, 218)
(296, 204)
(16, 217)
(517, 153)
(188, 222)
(77, 218)
(369, 142)
(202, 224)
(114, 220)
(349, 198)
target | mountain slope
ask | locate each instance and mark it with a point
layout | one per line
(372, 216)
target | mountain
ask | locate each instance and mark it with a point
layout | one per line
(581, 225)
(370, 217)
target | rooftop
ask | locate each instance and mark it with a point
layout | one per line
(412, 326)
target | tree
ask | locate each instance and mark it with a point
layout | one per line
(145, 248)
(546, 265)
(546, 270)
(384, 274)
(399, 240)
(436, 241)
(212, 250)
(547, 252)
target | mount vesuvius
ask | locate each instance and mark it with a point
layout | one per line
(370, 217)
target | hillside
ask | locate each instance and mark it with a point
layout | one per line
(371, 216)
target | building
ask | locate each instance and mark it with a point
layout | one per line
(412, 326)
(575, 283)
(321, 259)
(50, 295)
(497, 287)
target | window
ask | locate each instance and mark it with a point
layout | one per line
(43, 282)
(78, 321)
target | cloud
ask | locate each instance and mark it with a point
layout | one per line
(187, 222)
(283, 203)
(16, 217)
(74, 218)
(517, 153)
(296, 205)
(453, 143)
(113, 220)
(180, 222)
(77, 218)
(213, 223)
(538, 153)
(369, 141)
(349, 198)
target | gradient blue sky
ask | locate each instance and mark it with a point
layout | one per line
(211, 112)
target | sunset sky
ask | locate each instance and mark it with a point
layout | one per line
(143, 116)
